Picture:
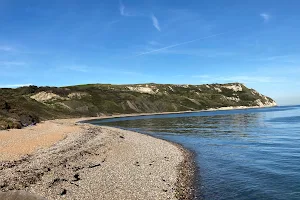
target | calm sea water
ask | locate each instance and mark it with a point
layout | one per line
(241, 154)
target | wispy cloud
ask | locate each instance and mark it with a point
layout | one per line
(6, 48)
(20, 49)
(123, 10)
(279, 58)
(208, 53)
(100, 70)
(202, 76)
(250, 79)
(266, 17)
(114, 22)
(11, 63)
(77, 68)
(242, 79)
(176, 20)
(178, 76)
(155, 22)
(180, 44)
(131, 73)
(280, 70)
(15, 85)
(154, 43)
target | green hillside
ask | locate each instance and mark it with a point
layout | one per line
(22, 106)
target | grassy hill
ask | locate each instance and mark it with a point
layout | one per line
(25, 105)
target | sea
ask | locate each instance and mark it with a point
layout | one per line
(240, 154)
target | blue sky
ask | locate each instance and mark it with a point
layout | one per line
(65, 42)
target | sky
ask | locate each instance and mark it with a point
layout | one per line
(68, 42)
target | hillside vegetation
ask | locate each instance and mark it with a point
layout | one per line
(25, 105)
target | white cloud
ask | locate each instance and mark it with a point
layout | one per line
(155, 22)
(15, 85)
(266, 17)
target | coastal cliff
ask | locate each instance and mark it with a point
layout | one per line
(26, 105)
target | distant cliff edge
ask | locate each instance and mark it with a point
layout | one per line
(26, 105)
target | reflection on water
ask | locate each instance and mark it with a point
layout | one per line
(244, 154)
(206, 126)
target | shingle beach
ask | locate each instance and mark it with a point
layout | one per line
(62, 159)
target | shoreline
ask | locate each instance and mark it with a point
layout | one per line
(187, 171)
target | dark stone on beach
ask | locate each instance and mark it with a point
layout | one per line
(63, 192)
(56, 181)
(76, 168)
(94, 165)
(76, 176)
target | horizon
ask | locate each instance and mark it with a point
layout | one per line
(171, 42)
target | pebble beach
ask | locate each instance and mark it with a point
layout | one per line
(63, 159)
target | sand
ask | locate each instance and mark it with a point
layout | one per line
(62, 159)
(15, 143)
